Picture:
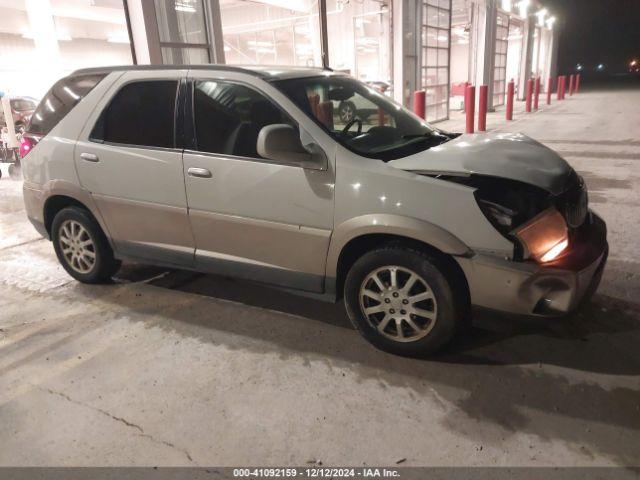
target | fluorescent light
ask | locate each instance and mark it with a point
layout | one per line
(118, 37)
(184, 7)
(506, 5)
(550, 22)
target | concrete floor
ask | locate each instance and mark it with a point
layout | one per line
(176, 368)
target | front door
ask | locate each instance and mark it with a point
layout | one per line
(128, 159)
(252, 217)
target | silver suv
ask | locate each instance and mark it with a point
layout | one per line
(250, 172)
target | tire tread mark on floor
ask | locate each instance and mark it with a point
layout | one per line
(116, 418)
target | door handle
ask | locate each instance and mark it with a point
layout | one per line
(89, 157)
(199, 172)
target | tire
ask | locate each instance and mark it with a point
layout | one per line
(429, 315)
(14, 172)
(347, 111)
(81, 246)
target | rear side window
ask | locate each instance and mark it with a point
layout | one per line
(63, 96)
(141, 113)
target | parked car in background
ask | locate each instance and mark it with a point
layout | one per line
(21, 109)
(244, 172)
(359, 106)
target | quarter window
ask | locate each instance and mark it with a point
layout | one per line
(228, 118)
(141, 113)
(60, 100)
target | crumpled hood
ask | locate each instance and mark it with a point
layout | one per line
(507, 155)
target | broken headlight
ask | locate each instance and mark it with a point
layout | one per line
(498, 214)
(544, 237)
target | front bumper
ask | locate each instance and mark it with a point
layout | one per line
(529, 288)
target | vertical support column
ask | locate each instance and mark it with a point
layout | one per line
(483, 45)
(45, 37)
(470, 101)
(324, 37)
(482, 108)
(536, 93)
(510, 93)
(144, 28)
(214, 28)
(525, 73)
(419, 101)
(529, 95)
(549, 90)
(405, 45)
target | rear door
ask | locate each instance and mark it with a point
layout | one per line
(128, 157)
(253, 217)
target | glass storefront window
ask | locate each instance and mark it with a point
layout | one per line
(262, 32)
(500, 59)
(360, 40)
(514, 50)
(435, 43)
(182, 31)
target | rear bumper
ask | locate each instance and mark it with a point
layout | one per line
(529, 288)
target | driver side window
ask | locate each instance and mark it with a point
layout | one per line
(336, 108)
(228, 117)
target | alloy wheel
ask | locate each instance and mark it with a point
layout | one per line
(77, 246)
(398, 303)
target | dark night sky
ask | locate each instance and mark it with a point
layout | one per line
(597, 31)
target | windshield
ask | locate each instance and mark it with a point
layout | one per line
(361, 118)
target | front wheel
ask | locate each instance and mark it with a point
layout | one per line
(400, 301)
(81, 247)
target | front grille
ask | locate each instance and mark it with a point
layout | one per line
(574, 204)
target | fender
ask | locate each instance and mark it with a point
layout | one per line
(41, 194)
(394, 225)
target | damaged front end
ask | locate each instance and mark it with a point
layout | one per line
(537, 222)
(540, 204)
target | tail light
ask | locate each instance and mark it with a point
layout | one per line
(27, 144)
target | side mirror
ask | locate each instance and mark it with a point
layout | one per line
(281, 143)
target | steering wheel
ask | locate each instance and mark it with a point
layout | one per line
(350, 124)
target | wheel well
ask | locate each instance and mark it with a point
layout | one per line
(56, 203)
(358, 246)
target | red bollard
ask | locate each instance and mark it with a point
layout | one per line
(464, 104)
(564, 87)
(419, 98)
(482, 108)
(559, 88)
(549, 90)
(536, 93)
(577, 83)
(571, 83)
(510, 92)
(528, 95)
(470, 102)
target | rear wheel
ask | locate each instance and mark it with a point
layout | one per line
(81, 246)
(400, 301)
